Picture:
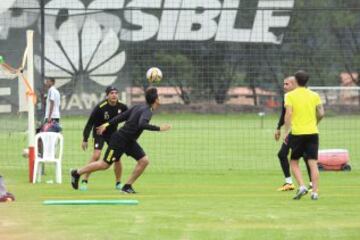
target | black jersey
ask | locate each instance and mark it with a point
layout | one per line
(137, 120)
(101, 114)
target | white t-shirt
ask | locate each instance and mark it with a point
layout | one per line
(54, 95)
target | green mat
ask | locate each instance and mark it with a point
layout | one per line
(90, 202)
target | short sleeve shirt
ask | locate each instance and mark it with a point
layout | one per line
(303, 102)
(53, 95)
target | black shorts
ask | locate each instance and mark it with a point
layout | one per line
(119, 145)
(99, 142)
(304, 145)
(285, 148)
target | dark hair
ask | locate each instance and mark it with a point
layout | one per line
(301, 77)
(109, 89)
(151, 95)
(51, 79)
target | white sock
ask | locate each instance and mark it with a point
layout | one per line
(310, 184)
(303, 188)
(288, 180)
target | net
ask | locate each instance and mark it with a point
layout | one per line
(223, 64)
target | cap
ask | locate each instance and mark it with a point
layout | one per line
(109, 89)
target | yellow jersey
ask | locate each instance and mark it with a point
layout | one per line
(303, 102)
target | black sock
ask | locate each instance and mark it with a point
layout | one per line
(84, 181)
(127, 185)
(284, 162)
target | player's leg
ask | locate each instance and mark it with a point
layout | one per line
(297, 146)
(315, 178)
(92, 167)
(138, 170)
(117, 169)
(98, 145)
(284, 162)
(94, 157)
(308, 171)
(2, 187)
(312, 147)
(118, 173)
(5, 196)
(138, 154)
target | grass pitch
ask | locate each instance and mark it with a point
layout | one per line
(212, 177)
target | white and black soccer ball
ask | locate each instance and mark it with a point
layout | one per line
(154, 75)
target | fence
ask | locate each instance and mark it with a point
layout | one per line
(223, 59)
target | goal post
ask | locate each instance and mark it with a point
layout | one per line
(31, 105)
(341, 97)
(24, 74)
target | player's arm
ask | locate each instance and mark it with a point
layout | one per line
(123, 107)
(288, 103)
(87, 129)
(320, 112)
(280, 123)
(121, 117)
(51, 107)
(144, 123)
(287, 119)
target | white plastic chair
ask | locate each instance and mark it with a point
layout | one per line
(51, 141)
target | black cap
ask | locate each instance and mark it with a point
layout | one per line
(109, 89)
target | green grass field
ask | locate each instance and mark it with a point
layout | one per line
(211, 177)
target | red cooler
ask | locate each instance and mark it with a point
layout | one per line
(334, 159)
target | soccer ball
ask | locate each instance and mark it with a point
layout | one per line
(154, 74)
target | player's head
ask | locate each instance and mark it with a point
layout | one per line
(50, 81)
(289, 84)
(152, 97)
(112, 94)
(302, 78)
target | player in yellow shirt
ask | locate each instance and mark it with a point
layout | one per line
(289, 85)
(303, 113)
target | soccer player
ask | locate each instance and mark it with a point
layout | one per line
(124, 140)
(52, 109)
(289, 85)
(303, 113)
(103, 112)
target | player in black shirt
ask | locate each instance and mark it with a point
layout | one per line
(289, 85)
(102, 113)
(124, 140)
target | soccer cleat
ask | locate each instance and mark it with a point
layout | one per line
(74, 179)
(300, 193)
(286, 187)
(314, 196)
(310, 188)
(118, 186)
(128, 189)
